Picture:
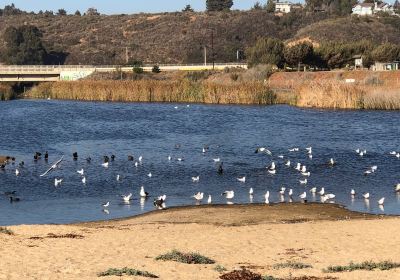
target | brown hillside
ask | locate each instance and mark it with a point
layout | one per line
(352, 28)
(158, 38)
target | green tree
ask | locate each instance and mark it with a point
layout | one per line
(270, 6)
(257, 6)
(156, 69)
(298, 54)
(387, 52)
(188, 9)
(92, 12)
(219, 5)
(24, 45)
(266, 51)
(61, 12)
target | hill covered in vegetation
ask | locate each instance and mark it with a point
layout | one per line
(181, 37)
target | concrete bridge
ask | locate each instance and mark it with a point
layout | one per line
(40, 73)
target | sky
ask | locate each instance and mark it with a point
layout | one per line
(119, 6)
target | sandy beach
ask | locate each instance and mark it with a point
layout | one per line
(255, 237)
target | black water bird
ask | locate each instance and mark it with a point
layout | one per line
(2, 166)
(220, 168)
(46, 156)
(131, 158)
(37, 156)
(21, 164)
(14, 199)
(88, 159)
(112, 157)
(8, 193)
(75, 155)
(106, 159)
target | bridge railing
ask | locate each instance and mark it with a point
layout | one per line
(51, 68)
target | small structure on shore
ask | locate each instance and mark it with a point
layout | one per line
(386, 66)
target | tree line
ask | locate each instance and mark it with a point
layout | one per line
(328, 55)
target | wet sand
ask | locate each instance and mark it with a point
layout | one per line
(253, 236)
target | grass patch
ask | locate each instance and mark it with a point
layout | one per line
(367, 265)
(293, 265)
(7, 231)
(189, 258)
(269, 277)
(126, 271)
(219, 268)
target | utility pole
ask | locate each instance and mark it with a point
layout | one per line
(205, 55)
(212, 49)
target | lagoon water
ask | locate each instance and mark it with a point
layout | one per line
(152, 130)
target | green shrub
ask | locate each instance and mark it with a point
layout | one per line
(292, 264)
(126, 271)
(189, 258)
(367, 265)
(5, 230)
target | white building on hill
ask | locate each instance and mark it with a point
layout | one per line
(283, 7)
(368, 9)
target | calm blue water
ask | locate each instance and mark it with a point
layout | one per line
(153, 130)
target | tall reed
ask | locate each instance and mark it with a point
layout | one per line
(182, 90)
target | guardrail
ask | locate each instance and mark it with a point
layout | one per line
(52, 68)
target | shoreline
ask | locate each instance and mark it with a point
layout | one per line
(255, 237)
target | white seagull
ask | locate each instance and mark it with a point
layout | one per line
(198, 196)
(209, 199)
(105, 164)
(287, 163)
(229, 194)
(303, 196)
(54, 166)
(80, 172)
(143, 193)
(303, 182)
(118, 177)
(57, 182)
(105, 205)
(290, 192)
(196, 179)
(366, 195)
(84, 180)
(282, 190)
(313, 190)
(263, 150)
(298, 167)
(251, 191)
(381, 201)
(353, 192)
(127, 198)
(140, 159)
(307, 174)
(322, 191)
(266, 196)
(16, 172)
(397, 188)
(150, 175)
(242, 179)
(332, 162)
(216, 159)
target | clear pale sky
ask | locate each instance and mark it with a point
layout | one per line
(119, 6)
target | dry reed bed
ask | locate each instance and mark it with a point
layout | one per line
(157, 91)
(6, 92)
(339, 95)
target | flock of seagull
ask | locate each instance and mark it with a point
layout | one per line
(159, 201)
